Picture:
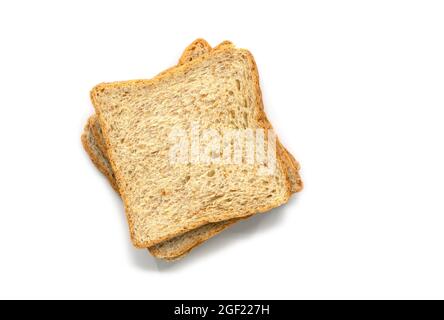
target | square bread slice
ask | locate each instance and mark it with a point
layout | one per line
(164, 201)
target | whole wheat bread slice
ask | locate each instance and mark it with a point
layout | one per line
(178, 246)
(156, 238)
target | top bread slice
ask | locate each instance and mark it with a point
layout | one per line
(163, 201)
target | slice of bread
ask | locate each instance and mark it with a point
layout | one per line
(146, 233)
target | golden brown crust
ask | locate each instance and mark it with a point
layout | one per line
(197, 48)
(293, 168)
(196, 241)
(94, 158)
(224, 44)
(97, 134)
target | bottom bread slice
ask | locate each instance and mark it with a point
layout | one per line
(179, 246)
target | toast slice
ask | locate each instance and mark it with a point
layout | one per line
(143, 233)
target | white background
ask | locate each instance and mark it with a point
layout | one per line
(355, 90)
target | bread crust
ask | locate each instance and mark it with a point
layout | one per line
(93, 153)
(197, 48)
(159, 250)
(96, 131)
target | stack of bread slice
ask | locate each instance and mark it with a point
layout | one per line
(172, 207)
